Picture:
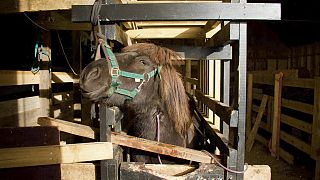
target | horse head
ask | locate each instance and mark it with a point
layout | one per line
(139, 74)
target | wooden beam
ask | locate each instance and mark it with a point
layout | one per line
(14, 6)
(16, 106)
(45, 78)
(316, 125)
(297, 123)
(211, 24)
(253, 132)
(275, 142)
(130, 141)
(167, 33)
(220, 109)
(170, 23)
(301, 145)
(69, 127)
(249, 103)
(192, 81)
(22, 119)
(54, 154)
(226, 35)
(11, 78)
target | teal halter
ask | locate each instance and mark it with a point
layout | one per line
(116, 72)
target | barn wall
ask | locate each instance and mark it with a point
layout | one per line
(293, 51)
(22, 95)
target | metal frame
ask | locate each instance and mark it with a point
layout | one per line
(180, 11)
(232, 32)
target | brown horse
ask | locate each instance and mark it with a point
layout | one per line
(155, 106)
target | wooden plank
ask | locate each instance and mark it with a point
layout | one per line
(289, 158)
(249, 103)
(61, 97)
(220, 109)
(69, 127)
(275, 142)
(45, 77)
(168, 32)
(253, 132)
(226, 35)
(10, 77)
(15, 137)
(12, 107)
(23, 119)
(9, 6)
(301, 145)
(316, 123)
(298, 106)
(78, 171)
(317, 169)
(287, 73)
(188, 75)
(54, 154)
(170, 23)
(297, 123)
(129, 141)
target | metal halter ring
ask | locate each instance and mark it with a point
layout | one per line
(115, 72)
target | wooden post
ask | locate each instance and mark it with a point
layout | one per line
(253, 132)
(188, 75)
(45, 77)
(249, 103)
(315, 142)
(275, 142)
(76, 65)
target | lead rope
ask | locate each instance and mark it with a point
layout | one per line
(158, 135)
(223, 167)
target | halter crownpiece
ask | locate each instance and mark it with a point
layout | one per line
(116, 72)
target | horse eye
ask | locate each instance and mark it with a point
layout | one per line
(143, 62)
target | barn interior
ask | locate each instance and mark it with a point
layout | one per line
(252, 68)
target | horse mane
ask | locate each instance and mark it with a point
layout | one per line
(172, 89)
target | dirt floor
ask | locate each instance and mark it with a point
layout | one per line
(279, 169)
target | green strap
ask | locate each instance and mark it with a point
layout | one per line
(114, 83)
(129, 94)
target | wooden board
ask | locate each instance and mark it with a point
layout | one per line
(253, 132)
(316, 123)
(54, 154)
(14, 6)
(168, 32)
(26, 137)
(249, 103)
(275, 140)
(130, 141)
(10, 77)
(12, 107)
(220, 109)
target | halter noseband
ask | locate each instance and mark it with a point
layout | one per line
(116, 72)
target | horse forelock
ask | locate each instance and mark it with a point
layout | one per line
(171, 86)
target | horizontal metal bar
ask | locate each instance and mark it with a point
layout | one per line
(180, 11)
(203, 53)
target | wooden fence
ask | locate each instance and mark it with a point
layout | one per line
(24, 110)
(299, 115)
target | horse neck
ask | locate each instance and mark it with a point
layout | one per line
(144, 123)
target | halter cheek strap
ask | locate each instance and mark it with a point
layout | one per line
(116, 72)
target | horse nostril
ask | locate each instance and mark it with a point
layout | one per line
(94, 73)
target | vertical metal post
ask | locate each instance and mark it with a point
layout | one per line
(242, 96)
(109, 168)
